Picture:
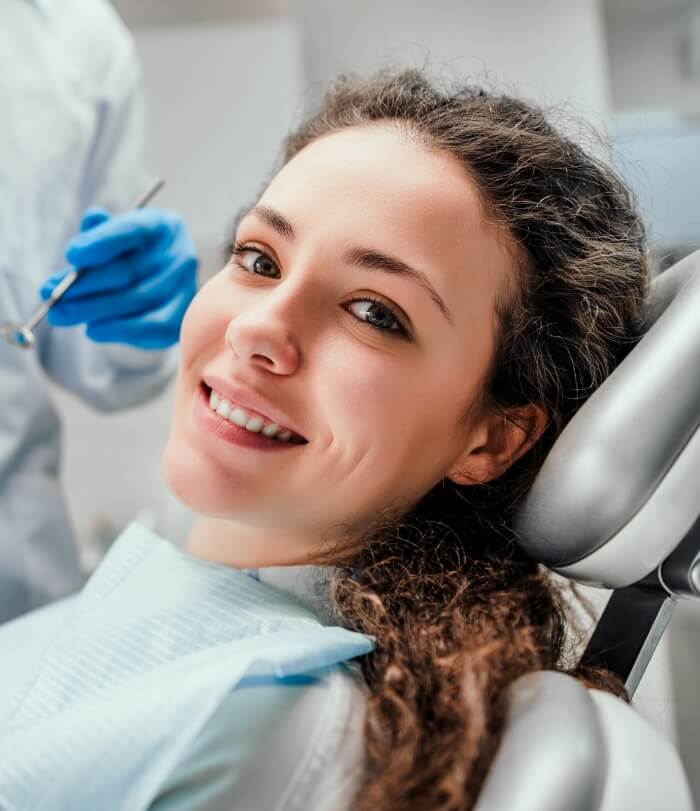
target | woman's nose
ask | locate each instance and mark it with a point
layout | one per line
(263, 341)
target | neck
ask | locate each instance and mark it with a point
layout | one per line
(244, 547)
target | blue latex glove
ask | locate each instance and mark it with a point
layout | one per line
(138, 276)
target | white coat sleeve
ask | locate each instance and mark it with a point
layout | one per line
(109, 376)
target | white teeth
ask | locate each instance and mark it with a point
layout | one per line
(240, 417)
(254, 424)
(224, 409)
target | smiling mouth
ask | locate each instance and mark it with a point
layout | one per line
(243, 417)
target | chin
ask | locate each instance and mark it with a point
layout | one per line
(196, 482)
(186, 476)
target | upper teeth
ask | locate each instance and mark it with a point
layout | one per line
(248, 419)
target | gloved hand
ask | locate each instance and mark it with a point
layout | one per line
(137, 278)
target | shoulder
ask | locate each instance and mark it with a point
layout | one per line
(93, 35)
(293, 745)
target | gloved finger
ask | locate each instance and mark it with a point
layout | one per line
(118, 275)
(131, 230)
(93, 216)
(156, 329)
(143, 296)
(47, 287)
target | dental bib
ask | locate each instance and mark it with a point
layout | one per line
(142, 659)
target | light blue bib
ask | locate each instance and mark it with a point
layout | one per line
(143, 658)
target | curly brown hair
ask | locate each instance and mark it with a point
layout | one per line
(458, 611)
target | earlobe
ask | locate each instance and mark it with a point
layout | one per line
(502, 440)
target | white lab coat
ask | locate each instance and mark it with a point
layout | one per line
(71, 135)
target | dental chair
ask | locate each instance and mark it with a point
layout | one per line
(615, 505)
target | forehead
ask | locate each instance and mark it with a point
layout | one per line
(377, 173)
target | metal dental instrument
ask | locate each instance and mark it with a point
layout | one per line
(21, 335)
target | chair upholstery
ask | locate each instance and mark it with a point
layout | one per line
(567, 748)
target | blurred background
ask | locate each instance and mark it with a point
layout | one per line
(226, 79)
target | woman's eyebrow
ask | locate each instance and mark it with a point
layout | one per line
(375, 260)
(274, 219)
(367, 258)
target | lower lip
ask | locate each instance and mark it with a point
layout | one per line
(230, 432)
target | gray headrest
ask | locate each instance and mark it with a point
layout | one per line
(627, 452)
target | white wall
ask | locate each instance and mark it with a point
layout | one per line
(548, 50)
(648, 59)
(656, 96)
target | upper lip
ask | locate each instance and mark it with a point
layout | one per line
(242, 396)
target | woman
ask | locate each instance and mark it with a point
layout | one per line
(422, 297)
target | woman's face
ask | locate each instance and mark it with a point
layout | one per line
(378, 390)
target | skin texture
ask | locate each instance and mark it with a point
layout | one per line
(386, 417)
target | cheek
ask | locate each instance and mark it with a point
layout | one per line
(189, 330)
(201, 335)
(403, 415)
(369, 397)
(205, 321)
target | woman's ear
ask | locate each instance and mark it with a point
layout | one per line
(497, 442)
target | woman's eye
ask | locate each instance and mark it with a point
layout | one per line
(381, 316)
(253, 260)
(374, 313)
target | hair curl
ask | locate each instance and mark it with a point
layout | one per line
(458, 611)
